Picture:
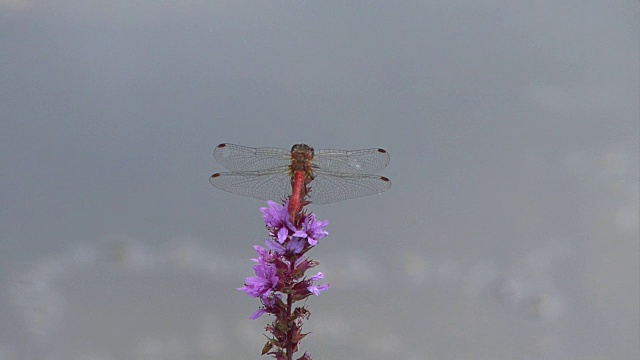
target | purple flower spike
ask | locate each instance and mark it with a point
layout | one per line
(280, 279)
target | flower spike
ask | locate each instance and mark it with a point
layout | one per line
(280, 279)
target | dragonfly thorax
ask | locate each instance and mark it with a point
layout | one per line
(301, 156)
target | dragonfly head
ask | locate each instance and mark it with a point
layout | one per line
(302, 149)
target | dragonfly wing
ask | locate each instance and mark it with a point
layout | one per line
(242, 158)
(328, 188)
(366, 161)
(275, 185)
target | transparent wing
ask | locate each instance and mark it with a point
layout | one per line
(367, 161)
(328, 188)
(274, 184)
(242, 158)
(263, 173)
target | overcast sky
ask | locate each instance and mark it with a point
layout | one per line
(510, 232)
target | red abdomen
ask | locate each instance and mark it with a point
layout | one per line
(298, 192)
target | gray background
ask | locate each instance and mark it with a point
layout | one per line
(510, 232)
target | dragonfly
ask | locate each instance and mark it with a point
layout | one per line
(302, 174)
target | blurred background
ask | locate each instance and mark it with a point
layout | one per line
(510, 232)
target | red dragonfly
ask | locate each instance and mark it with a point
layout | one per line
(301, 174)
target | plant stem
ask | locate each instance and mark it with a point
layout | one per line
(290, 321)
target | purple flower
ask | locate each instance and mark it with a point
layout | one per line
(256, 314)
(315, 290)
(265, 280)
(264, 256)
(269, 303)
(295, 245)
(276, 215)
(312, 229)
(275, 246)
(277, 218)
